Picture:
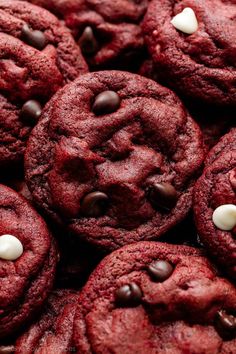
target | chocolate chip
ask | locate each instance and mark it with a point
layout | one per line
(88, 42)
(35, 38)
(162, 195)
(160, 270)
(226, 325)
(129, 295)
(94, 204)
(106, 102)
(7, 349)
(31, 111)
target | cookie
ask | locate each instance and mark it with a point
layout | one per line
(114, 159)
(52, 332)
(215, 205)
(192, 44)
(27, 261)
(38, 55)
(108, 33)
(152, 297)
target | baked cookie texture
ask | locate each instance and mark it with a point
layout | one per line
(52, 331)
(114, 159)
(108, 33)
(38, 55)
(26, 280)
(202, 64)
(152, 297)
(215, 188)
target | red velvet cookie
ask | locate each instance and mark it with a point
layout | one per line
(37, 56)
(27, 261)
(52, 332)
(215, 204)
(154, 298)
(195, 52)
(114, 159)
(108, 32)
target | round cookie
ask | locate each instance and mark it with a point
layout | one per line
(38, 55)
(197, 62)
(215, 204)
(108, 33)
(52, 332)
(27, 261)
(114, 159)
(151, 297)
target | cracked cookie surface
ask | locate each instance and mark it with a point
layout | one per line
(52, 331)
(217, 187)
(26, 281)
(202, 64)
(119, 177)
(37, 56)
(155, 298)
(108, 33)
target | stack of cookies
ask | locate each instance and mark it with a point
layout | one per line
(118, 176)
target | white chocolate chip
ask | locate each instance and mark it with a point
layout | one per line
(185, 21)
(10, 248)
(224, 217)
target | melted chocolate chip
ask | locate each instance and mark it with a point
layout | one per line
(31, 111)
(129, 295)
(35, 38)
(226, 325)
(7, 349)
(88, 42)
(106, 102)
(162, 195)
(160, 270)
(94, 204)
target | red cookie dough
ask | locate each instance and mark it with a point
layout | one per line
(108, 32)
(38, 55)
(52, 332)
(156, 298)
(26, 281)
(202, 64)
(114, 166)
(216, 187)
